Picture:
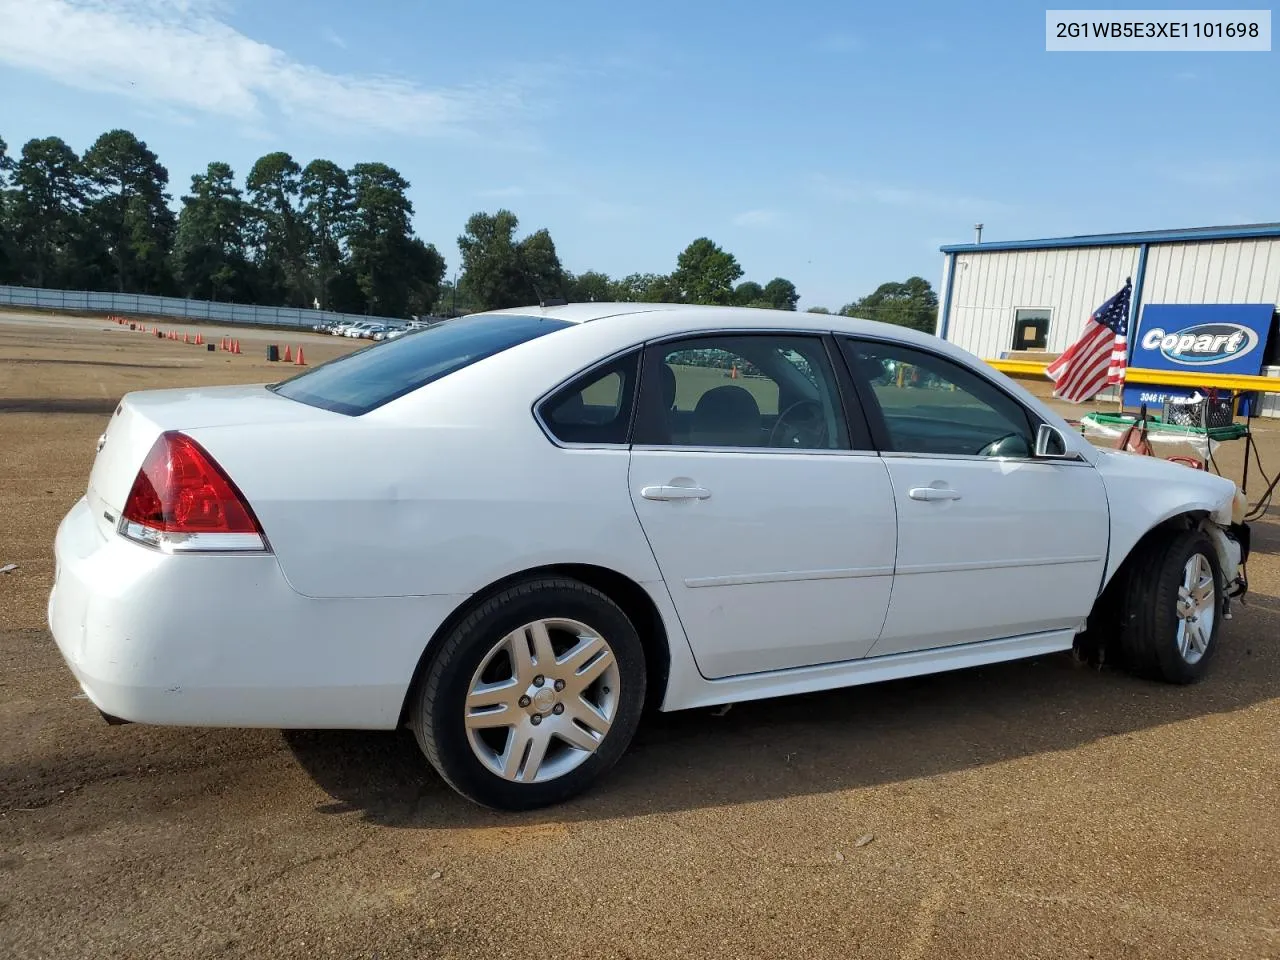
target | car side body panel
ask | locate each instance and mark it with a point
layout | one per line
(1146, 491)
(383, 525)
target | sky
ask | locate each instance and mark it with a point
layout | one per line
(836, 144)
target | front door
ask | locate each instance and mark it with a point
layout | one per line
(992, 543)
(771, 519)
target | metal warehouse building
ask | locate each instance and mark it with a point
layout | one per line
(1003, 298)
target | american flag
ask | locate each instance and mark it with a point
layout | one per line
(1098, 358)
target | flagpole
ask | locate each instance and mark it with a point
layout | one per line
(1128, 282)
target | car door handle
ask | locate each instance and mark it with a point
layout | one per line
(933, 493)
(669, 492)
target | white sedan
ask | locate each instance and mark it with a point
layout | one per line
(514, 531)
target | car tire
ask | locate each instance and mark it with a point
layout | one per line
(469, 741)
(1162, 634)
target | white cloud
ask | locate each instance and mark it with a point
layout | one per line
(181, 54)
(756, 218)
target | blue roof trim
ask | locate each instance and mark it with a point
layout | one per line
(1248, 232)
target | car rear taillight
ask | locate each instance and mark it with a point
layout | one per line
(182, 500)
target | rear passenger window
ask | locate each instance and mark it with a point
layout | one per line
(596, 407)
(743, 391)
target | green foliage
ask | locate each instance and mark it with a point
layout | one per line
(818, 310)
(210, 252)
(747, 293)
(592, 286)
(912, 303)
(292, 236)
(499, 271)
(279, 230)
(396, 272)
(8, 248)
(781, 294)
(706, 274)
(647, 288)
(47, 217)
(129, 212)
(325, 190)
(319, 234)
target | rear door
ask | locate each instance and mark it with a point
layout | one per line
(769, 516)
(992, 542)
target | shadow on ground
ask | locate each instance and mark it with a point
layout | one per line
(840, 740)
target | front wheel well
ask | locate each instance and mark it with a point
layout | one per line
(1100, 631)
(621, 589)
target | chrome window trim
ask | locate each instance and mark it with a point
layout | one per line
(540, 401)
(790, 451)
(975, 458)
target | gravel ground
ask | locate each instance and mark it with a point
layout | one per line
(1037, 809)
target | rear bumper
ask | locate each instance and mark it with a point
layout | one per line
(224, 640)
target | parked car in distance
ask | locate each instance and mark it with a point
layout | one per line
(513, 532)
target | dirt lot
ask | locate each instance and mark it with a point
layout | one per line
(1038, 809)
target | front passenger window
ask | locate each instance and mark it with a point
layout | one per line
(931, 405)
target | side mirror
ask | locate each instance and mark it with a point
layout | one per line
(1052, 445)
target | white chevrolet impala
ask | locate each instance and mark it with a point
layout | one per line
(514, 531)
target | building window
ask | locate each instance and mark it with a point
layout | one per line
(1030, 328)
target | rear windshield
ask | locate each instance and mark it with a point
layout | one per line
(366, 379)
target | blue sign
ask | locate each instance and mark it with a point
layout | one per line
(1213, 337)
(1153, 396)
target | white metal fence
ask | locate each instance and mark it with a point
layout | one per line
(138, 304)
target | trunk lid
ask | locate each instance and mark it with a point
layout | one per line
(141, 417)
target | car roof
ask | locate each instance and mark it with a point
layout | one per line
(676, 315)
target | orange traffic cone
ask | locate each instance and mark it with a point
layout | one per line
(199, 340)
(288, 357)
(300, 362)
(235, 346)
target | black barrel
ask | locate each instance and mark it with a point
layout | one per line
(273, 352)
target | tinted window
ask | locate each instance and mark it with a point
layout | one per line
(361, 381)
(934, 406)
(746, 391)
(596, 407)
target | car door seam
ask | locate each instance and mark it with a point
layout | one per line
(675, 609)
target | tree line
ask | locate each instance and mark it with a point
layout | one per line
(294, 235)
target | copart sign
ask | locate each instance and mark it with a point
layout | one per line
(1219, 338)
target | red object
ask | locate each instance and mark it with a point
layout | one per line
(1187, 462)
(1099, 358)
(235, 346)
(199, 340)
(181, 489)
(288, 357)
(300, 362)
(186, 338)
